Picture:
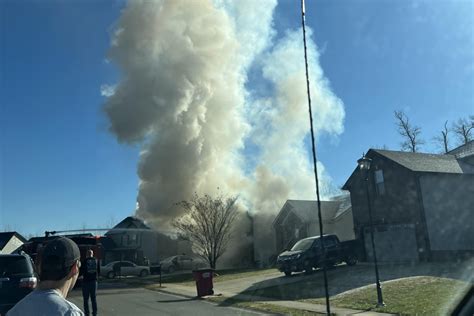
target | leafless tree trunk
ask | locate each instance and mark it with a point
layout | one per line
(207, 223)
(411, 134)
(463, 128)
(443, 140)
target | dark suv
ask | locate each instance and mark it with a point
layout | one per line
(17, 279)
(307, 254)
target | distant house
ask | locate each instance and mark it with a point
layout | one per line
(298, 219)
(10, 242)
(133, 240)
(423, 204)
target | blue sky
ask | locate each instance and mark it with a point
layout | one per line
(62, 169)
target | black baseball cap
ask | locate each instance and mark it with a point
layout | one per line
(57, 258)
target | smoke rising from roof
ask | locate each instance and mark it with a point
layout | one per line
(184, 97)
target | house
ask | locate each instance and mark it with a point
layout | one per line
(422, 204)
(132, 239)
(274, 232)
(298, 219)
(10, 242)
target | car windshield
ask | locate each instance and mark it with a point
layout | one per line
(170, 136)
(302, 245)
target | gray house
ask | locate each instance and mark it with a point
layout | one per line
(298, 219)
(133, 240)
(10, 242)
(423, 204)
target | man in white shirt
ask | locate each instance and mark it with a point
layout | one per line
(59, 269)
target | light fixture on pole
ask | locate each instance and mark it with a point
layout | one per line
(364, 166)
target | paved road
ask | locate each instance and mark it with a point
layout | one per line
(142, 302)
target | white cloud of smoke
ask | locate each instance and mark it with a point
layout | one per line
(183, 97)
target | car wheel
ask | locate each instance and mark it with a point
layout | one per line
(287, 273)
(143, 273)
(111, 275)
(171, 269)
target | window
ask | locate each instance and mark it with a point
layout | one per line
(379, 182)
(330, 242)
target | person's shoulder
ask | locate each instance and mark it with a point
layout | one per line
(73, 310)
(25, 304)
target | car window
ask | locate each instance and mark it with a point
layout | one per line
(302, 245)
(14, 265)
(330, 241)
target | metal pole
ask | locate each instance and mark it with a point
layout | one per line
(313, 145)
(380, 302)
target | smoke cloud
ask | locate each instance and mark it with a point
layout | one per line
(185, 98)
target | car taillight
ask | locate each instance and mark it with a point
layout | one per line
(28, 282)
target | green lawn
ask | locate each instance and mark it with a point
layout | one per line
(187, 278)
(221, 276)
(422, 295)
(408, 296)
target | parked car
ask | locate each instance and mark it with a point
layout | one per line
(123, 268)
(306, 254)
(17, 279)
(181, 262)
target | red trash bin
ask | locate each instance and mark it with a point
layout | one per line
(203, 278)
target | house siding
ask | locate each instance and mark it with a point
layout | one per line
(399, 205)
(344, 227)
(449, 206)
(13, 244)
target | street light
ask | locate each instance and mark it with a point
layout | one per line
(364, 166)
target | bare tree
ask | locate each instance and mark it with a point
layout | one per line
(410, 133)
(207, 223)
(443, 139)
(463, 129)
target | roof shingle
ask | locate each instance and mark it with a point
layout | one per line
(421, 162)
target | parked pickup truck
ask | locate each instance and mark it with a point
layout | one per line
(307, 254)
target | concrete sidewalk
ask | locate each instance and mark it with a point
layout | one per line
(189, 291)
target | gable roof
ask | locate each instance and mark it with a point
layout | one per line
(463, 150)
(130, 222)
(422, 162)
(307, 210)
(6, 236)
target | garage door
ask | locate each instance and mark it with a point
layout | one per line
(393, 243)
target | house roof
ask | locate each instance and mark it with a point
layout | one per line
(6, 236)
(130, 222)
(307, 210)
(463, 150)
(452, 162)
(421, 162)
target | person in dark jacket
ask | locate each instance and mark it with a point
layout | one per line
(90, 270)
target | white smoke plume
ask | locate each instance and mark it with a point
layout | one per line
(184, 97)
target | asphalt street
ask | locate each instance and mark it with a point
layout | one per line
(139, 301)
